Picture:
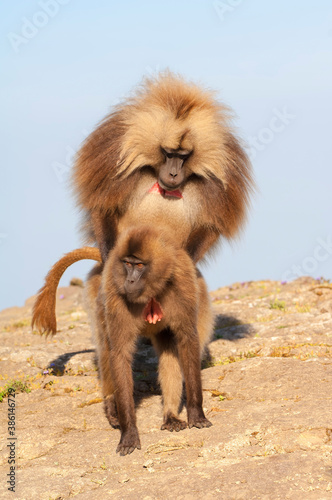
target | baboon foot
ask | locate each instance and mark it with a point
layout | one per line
(172, 423)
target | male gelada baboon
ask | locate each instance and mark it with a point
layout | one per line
(150, 287)
(167, 156)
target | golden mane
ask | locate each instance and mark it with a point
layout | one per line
(170, 112)
(166, 111)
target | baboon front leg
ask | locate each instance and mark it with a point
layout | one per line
(121, 372)
(189, 355)
(170, 379)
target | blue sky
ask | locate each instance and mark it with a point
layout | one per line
(65, 62)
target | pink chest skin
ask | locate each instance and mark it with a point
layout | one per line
(159, 190)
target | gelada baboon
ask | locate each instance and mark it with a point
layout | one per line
(166, 156)
(150, 287)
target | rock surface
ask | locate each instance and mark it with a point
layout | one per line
(267, 386)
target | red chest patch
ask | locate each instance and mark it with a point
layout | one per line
(159, 190)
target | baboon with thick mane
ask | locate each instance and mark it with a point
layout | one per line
(166, 156)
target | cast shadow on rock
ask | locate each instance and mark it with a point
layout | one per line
(231, 328)
(58, 365)
(145, 365)
(227, 328)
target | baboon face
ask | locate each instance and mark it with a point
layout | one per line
(135, 272)
(172, 172)
(141, 263)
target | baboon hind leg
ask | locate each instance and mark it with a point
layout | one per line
(170, 379)
(189, 356)
(107, 385)
(96, 314)
(205, 317)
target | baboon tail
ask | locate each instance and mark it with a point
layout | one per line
(43, 314)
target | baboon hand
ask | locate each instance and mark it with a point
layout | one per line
(200, 423)
(196, 418)
(128, 442)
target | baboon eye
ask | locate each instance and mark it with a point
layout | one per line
(140, 265)
(128, 264)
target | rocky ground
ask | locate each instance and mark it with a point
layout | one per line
(267, 390)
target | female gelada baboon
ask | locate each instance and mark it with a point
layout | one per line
(150, 287)
(167, 156)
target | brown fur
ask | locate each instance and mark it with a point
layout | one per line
(121, 159)
(43, 316)
(179, 338)
(115, 169)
